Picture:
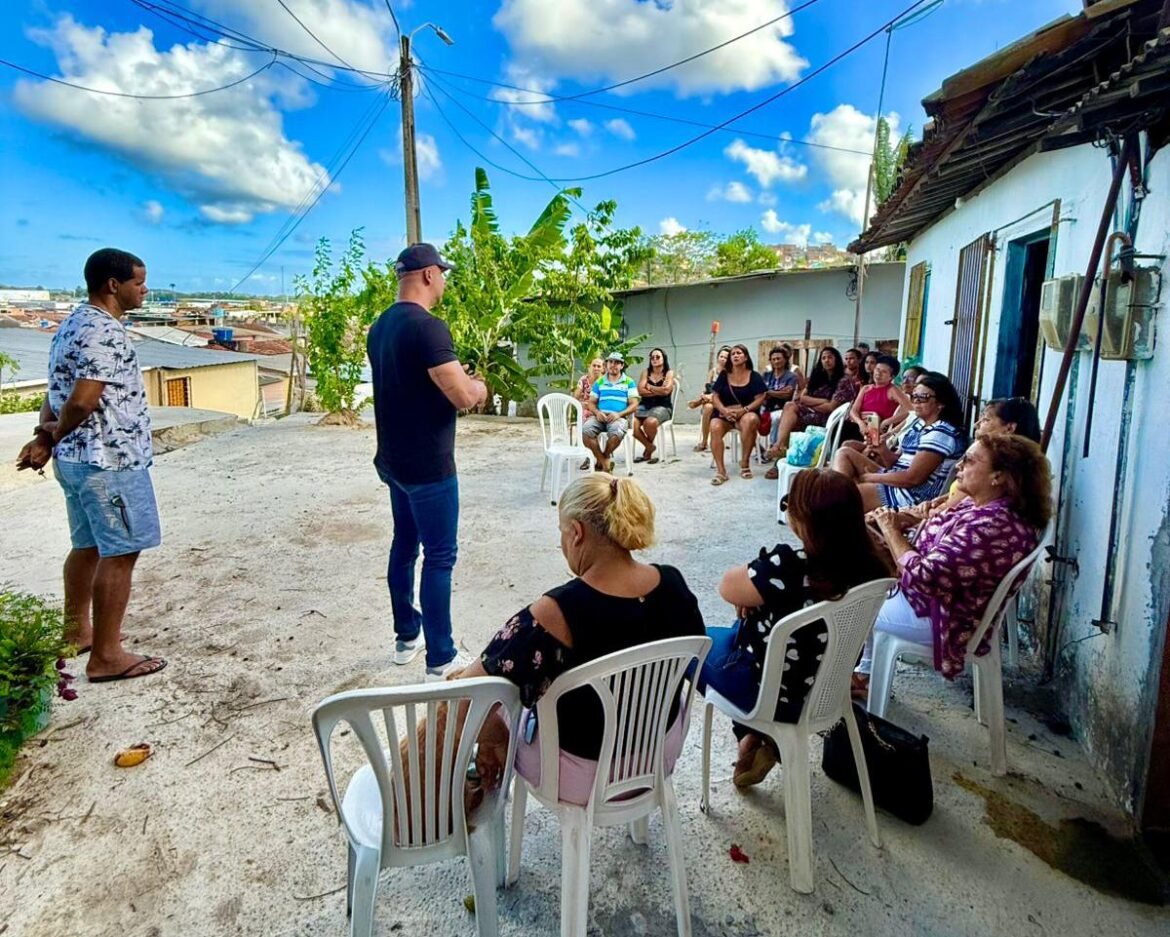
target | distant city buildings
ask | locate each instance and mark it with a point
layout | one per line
(794, 256)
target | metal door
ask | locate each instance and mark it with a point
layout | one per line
(969, 295)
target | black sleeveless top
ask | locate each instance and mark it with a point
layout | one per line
(655, 400)
(523, 652)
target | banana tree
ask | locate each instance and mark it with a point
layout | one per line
(487, 298)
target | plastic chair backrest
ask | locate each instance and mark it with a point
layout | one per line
(1007, 588)
(553, 411)
(425, 827)
(636, 688)
(833, 427)
(849, 621)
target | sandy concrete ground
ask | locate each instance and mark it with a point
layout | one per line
(268, 595)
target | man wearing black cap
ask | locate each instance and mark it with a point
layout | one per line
(419, 385)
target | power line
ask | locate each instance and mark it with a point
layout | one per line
(142, 97)
(327, 178)
(549, 99)
(770, 137)
(317, 39)
(540, 175)
(755, 107)
(390, 7)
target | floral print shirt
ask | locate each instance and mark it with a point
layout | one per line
(959, 559)
(92, 345)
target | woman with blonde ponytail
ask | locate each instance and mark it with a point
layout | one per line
(613, 602)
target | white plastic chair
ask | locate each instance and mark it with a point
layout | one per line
(988, 669)
(428, 829)
(666, 425)
(833, 427)
(636, 688)
(849, 621)
(563, 451)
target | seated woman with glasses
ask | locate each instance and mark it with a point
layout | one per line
(613, 603)
(928, 451)
(824, 511)
(960, 556)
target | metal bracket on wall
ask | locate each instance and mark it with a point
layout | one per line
(1105, 627)
(1051, 556)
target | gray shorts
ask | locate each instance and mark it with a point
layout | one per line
(661, 414)
(594, 427)
(114, 511)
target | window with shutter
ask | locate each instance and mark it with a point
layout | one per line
(916, 310)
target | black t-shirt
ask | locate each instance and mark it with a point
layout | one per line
(735, 396)
(415, 421)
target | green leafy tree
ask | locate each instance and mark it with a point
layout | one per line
(743, 252)
(487, 302)
(681, 258)
(338, 303)
(576, 316)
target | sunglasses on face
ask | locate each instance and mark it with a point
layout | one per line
(921, 398)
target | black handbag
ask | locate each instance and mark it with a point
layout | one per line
(898, 763)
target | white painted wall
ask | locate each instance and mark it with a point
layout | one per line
(1108, 681)
(678, 318)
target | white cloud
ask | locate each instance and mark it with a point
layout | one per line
(567, 149)
(226, 152)
(591, 39)
(152, 211)
(767, 198)
(789, 233)
(822, 237)
(523, 121)
(767, 166)
(732, 192)
(581, 126)
(670, 226)
(361, 33)
(620, 128)
(426, 154)
(527, 135)
(845, 126)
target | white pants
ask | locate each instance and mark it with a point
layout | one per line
(898, 618)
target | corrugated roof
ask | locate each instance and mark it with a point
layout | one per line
(1032, 96)
(747, 277)
(30, 347)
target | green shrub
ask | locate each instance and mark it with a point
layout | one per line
(14, 403)
(32, 652)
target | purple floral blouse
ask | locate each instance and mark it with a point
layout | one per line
(958, 560)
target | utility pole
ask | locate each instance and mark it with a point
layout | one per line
(410, 163)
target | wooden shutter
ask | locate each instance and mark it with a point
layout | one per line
(179, 392)
(969, 295)
(916, 311)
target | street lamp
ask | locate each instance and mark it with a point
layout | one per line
(409, 159)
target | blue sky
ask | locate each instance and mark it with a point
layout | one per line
(200, 187)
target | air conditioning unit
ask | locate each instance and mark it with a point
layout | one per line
(1128, 318)
(1058, 300)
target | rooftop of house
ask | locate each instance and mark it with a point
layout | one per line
(1080, 79)
(777, 273)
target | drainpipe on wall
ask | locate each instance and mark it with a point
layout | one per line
(1070, 348)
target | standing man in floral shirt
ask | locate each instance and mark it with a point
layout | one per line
(95, 424)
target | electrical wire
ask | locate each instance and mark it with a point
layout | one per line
(770, 137)
(317, 39)
(324, 182)
(397, 28)
(549, 99)
(755, 107)
(540, 175)
(141, 97)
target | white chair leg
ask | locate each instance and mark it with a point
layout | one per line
(1011, 623)
(543, 471)
(705, 802)
(674, 853)
(640, 830)
(500, 844)
(993, 709)
(481, 855)
(576, 834)
(798, 812)
(881, 675)
(862, 776)
(554, 489)
(519, 800)
(350, 874)
(365, 891)
(673, 443)
(977, 689)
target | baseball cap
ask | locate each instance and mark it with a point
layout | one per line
(418, 257)
(615, 356)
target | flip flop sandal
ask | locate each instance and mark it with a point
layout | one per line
(719, 480)
(700, 448)
(746, 473)
(640, 458)
(652, 461)
(128, 673)
(773, 473)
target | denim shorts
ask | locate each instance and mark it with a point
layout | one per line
(113, 511)
(661, 414)
(594, 427)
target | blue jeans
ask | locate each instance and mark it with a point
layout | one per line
(728, 670)
(426, 515)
